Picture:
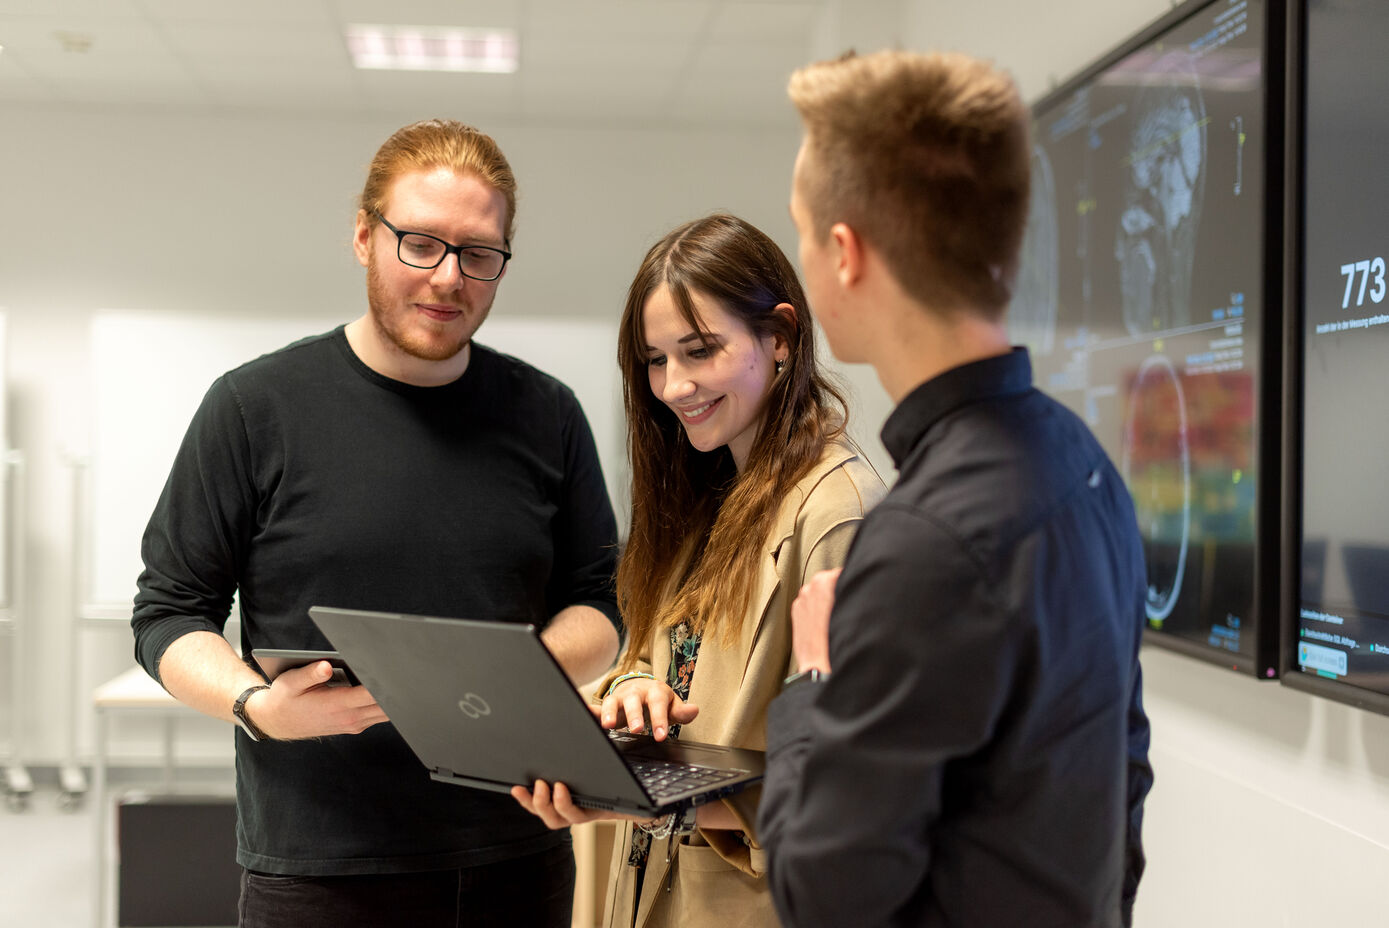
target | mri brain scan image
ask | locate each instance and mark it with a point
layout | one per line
(1165, 182)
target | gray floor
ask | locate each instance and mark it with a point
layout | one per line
(48, 854)
(47, 863)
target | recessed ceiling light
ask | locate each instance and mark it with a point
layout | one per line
(433, 48)
(76, 42)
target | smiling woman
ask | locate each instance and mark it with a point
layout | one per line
(714, 311)
(716, 380)
(742, 489)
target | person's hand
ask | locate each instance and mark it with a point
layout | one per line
(624, 706)
(299, 705)
(555, 807)
(810, 621)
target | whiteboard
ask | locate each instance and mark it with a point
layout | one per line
(583, 354)
(150, 371)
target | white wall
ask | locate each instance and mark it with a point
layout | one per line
(1271, 806)
(1040, 44)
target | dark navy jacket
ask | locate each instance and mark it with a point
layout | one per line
(978, 756)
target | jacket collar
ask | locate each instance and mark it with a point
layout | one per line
(836, 453)
(1005, 375)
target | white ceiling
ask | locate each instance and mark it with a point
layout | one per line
(600, 61)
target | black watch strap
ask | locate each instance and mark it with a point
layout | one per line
(244, 720)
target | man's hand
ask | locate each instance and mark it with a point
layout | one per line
(810, 621)
(201, 670)
(637, 701)
(300, 705)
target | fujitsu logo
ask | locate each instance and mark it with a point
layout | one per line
(474, 706)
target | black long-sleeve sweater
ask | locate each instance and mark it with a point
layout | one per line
(307, 479)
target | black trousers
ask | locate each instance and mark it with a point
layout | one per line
(537, 890)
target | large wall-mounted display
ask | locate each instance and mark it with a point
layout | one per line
(1340, 623)
(1150, 300)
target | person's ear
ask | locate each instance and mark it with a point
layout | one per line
(848, 251)
(361, 238)
(848, 254)
(781, 346)
(788, 312)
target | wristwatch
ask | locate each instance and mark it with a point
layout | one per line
(813, 675)
(244, 720)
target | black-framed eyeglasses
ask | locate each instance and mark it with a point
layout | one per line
(480, 262)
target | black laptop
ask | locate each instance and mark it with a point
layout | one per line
(484, 704)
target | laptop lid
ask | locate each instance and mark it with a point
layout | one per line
(485, 704)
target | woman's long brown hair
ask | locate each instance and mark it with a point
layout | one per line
(699, 527)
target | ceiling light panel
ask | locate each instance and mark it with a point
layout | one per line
(433, 48)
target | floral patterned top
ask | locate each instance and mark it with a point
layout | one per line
(684, 652)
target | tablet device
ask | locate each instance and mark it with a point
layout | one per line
(275, 661)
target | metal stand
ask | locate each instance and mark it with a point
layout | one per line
(72, 781)
(18, 786)
(86, 614)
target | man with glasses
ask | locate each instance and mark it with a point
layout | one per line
(390, 464)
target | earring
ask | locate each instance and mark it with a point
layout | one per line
(780, 365)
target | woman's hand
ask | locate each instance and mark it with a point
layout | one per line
(639, 700)
(555, 807)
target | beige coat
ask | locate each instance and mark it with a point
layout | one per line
(718, 877)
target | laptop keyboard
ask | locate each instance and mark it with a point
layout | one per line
(663, 778)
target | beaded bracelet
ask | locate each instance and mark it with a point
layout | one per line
(636, 674)
(665, 825)
(676, 824)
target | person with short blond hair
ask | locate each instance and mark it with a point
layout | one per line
(927, 158)
(966, 743)
(391, 464)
